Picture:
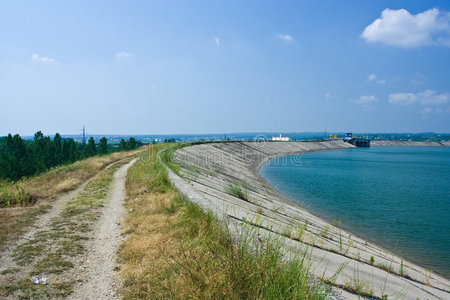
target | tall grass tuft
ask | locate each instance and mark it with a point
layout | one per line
(237, 191)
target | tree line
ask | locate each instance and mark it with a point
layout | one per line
(19, 158)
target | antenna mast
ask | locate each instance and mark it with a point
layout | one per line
(84, 136)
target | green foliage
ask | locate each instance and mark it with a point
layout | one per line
(402, 273)
(168, 156)
(236, 191)
(18, 197)
(103, 146)
(171, 140)
(20, 158)
(90, 149)
(129, 145)
(123, 145)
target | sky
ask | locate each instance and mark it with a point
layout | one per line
(173, 67)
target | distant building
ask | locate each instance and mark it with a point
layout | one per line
(348, 137)
(357, 141)
(281, 138)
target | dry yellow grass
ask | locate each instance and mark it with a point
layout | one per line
(45, 187)
(173, 250)
(65, 178)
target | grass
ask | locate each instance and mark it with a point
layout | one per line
(42, 189)
(54, 249)
(168, 156)
(358, 287)
(175, 250)
(237, 191)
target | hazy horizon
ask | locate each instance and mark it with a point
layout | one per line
(256, 133)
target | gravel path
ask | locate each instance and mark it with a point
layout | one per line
(99, 278)
(42, 223)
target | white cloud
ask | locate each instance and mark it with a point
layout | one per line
(217, 40)
(430, 97)
(427, 97)
(285, 37)
(328, 95)
(426, 110)
(402, 98)
(366, 101)
(124, 55)
(401, 28)
(42, 59)
(373, 77)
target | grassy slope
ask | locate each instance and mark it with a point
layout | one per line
(45, 187)
(175, 250)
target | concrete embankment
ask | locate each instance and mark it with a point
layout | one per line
(411, 143)
(208, 169)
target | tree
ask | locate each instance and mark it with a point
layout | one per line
(132, 144)
(103, 146)
(65, 151)
(58, 149)
(123, 145)
(74, 154)
(90, 149)
(39, 152)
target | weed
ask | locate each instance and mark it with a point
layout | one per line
(236, 191)
(301, 232)
(401, 267)
(349, 244)
(385, 267)
(372, 260)
(428, 276)
(358, 286)
(324, 232)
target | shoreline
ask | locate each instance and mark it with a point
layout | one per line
(348, 229)
(208, 168)
(388, 143)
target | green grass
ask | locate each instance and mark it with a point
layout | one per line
(168, 155)
(358, 287)
(237, 191)
(174, 250)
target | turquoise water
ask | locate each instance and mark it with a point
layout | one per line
(397, 197)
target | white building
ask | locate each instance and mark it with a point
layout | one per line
(281, 138)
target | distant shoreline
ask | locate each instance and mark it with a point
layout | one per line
(410, 143)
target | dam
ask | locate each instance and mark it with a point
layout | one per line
(206, 170)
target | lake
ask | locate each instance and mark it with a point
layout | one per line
(396, 197)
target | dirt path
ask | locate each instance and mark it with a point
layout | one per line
(41, 223)
(99, 280)
(73, 245)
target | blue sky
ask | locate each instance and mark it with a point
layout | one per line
(159, 67)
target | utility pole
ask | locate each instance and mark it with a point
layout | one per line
(83, 141)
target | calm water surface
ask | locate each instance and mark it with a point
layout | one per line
(397, 197)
